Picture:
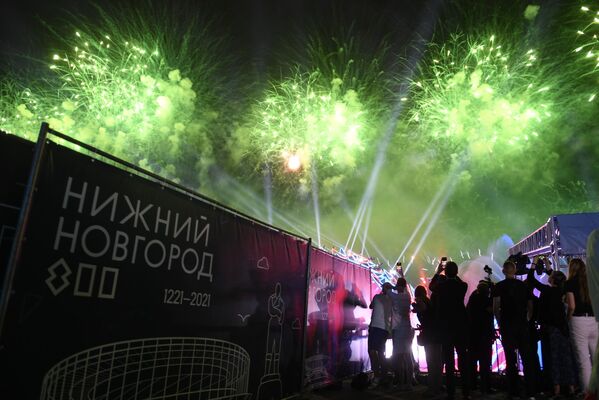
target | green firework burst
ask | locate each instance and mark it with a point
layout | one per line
(587, 49)
(322, 123)
(126, 92)
(323, 116)
(480, 95)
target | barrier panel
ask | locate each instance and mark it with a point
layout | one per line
(15, 163)
(338, 317)
(127, 288)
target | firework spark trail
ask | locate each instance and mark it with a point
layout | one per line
(317, 121)
(481, 95)
(588, 51)
(324, 111)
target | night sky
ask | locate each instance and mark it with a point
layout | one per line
(255, 28)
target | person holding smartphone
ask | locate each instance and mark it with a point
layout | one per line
(448, 292)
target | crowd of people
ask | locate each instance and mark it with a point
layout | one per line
(559, 314)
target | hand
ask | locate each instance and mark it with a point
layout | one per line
(440, 268)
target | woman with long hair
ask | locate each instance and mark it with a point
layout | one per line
(584, 330)
(555, 325)
(429, 338)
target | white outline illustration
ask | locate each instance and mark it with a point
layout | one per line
(243, 317)
(151, 369)
(53, 276)
(88, 292)
(271, 386)
(263, 263)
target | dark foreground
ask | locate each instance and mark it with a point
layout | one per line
(344, 391)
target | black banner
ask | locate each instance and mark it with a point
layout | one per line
(128, 289)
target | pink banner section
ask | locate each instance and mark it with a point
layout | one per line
(337, 328)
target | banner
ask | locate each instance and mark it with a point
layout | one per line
(15, 163)
(128, 289)
(338, 318)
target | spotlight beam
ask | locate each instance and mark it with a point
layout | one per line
(315, 201)
(268, 191)
(368, 239)
(435, 217)
(424, 217)
(366, 226)
(424, 32)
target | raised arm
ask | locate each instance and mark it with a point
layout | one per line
(533, 282)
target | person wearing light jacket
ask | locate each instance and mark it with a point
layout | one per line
(593, 284)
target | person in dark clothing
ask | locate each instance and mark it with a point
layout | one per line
(512, 307)
(534, 336)
(448, 292)
(430, 338)
(554, 321)
(482, 333)
(542, 310)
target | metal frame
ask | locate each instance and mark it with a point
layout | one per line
(306, 299)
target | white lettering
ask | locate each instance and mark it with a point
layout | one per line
(120, 243)
(178, 230)
(115, 277)
(60, 234)
(165, 222)
(78, 291)
(68, 193)
(184, 264)
(86, 247)
(206, 231)
(206, 263)
(173, 254)
(139, 215)
(135, 243)
(110, 200)
(146, 255)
